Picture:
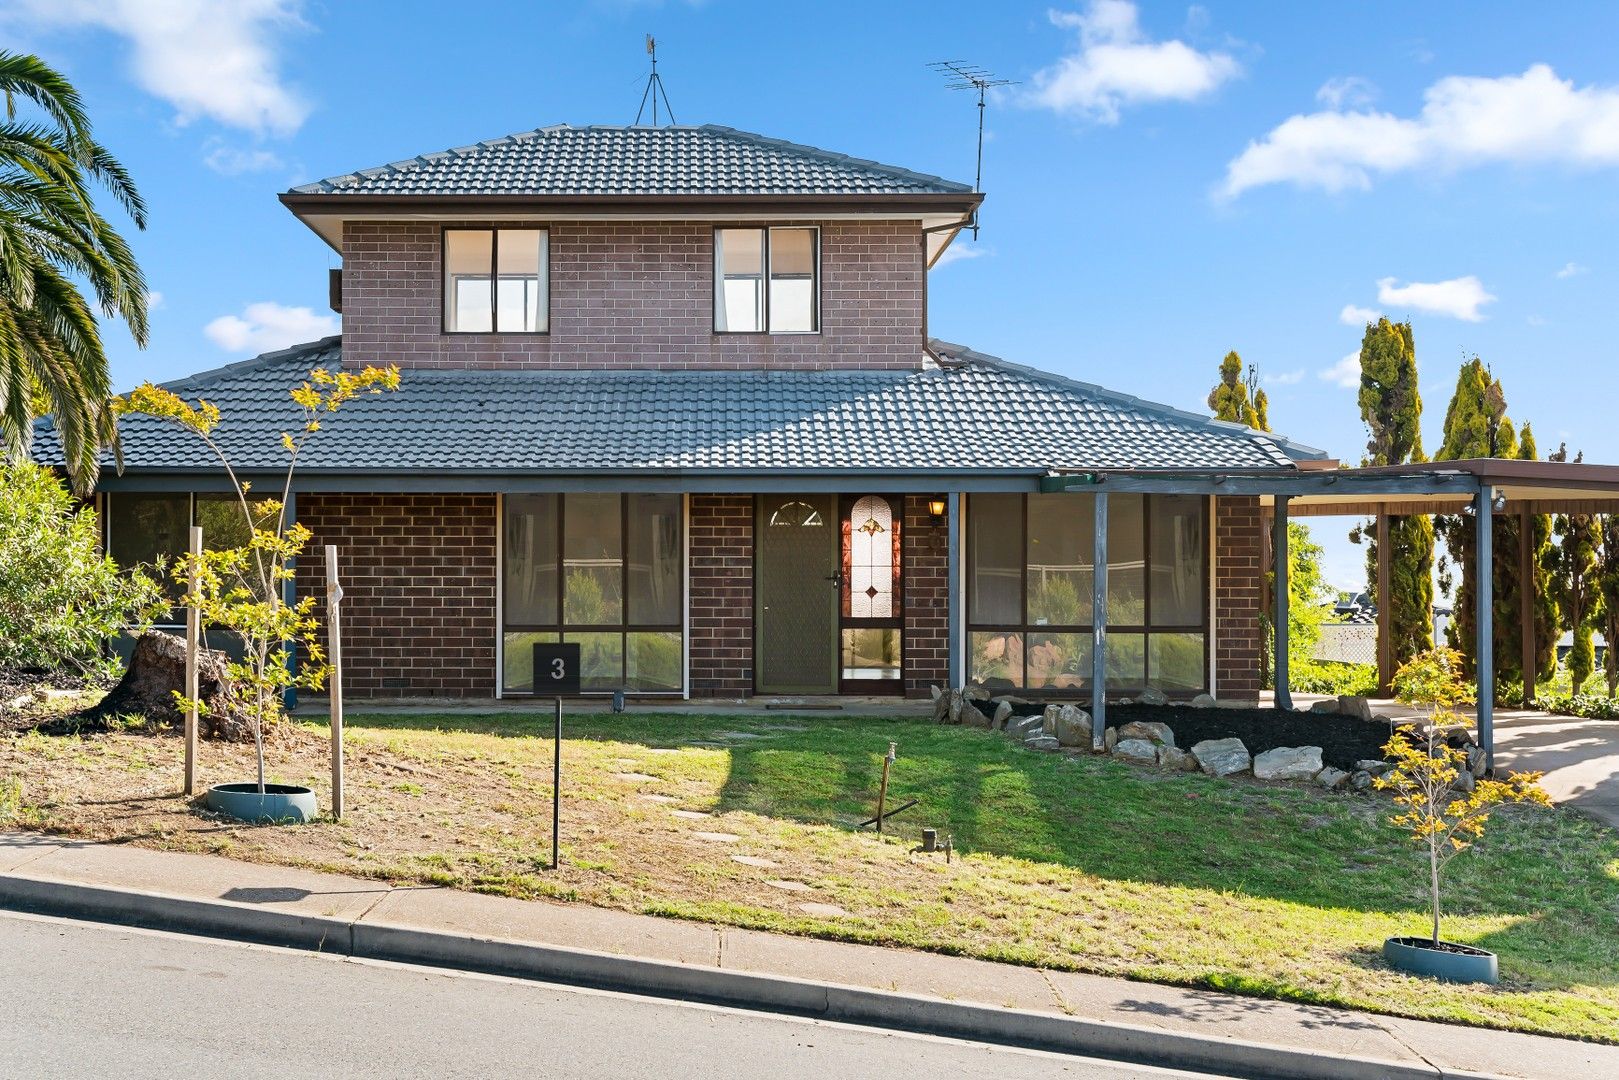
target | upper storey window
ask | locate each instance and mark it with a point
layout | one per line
(767, 279)
(495, 280)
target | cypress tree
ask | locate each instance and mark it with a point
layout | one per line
(1608, 590)
(1237, 398)
(1391, 408)
(1477, 426)
(1577, 588)
(1541, 556)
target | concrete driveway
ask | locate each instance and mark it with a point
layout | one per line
(1579, 757)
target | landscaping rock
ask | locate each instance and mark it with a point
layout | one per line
(1153, 696)
(1374, 766)
(1003, 713)
(1222, 757)
(934, 692)
(1203, 701)
(1232, 703)
(975, 693)
(1361, 781)
(1332, 779)
(1463, 783)
(1011, 699)
(1022, 727)
(1171, 757)
(1041, 742)
(1326, 705)
(1354, 705)
(1140, 751)
(1476, 761)
(1288, 763)
(971, 716)
(1110, 739)
(1150, 730)
(1068, 724)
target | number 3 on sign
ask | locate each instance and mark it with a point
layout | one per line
(559, 664)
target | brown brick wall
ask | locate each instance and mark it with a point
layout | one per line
(721, 595)
(926, 599)
(635, 294)
(418, 577)
(1238, 580)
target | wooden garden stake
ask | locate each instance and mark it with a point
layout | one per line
(334, 696)
(193, 618)
(882, 791)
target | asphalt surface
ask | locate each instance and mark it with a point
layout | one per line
(85, 999)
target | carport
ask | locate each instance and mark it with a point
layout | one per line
(1480, 487)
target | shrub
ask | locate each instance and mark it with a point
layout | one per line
(1333, 677)
(61, 599)
(1590, 706)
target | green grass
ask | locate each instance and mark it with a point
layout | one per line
(1069, 862)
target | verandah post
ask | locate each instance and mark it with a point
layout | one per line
(1099, 623)
(953, 610)
(193, 633)
(1283, 697)
(1483, 574)
(1526, 604)
(334, 693)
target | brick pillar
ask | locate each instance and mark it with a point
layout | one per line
(721, 599)
(926, 598)
(1239, 576)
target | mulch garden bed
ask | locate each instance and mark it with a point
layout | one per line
(1344, 740)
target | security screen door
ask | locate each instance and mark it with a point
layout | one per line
(796, 594)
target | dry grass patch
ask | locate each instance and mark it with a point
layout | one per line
(1067, 861)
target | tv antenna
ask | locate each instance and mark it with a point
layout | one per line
(965, 76)
(654, 87)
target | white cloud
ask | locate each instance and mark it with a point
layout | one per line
(1355, 315)
(1285, 378)
(1345, 373)
(1460, 298)
(1465, 121)
(1116, 65)
(1536, 320)
(1350, 90)
(1569, 270)
(154, 300)
(266, 325)
(207, 58)
(233, 160)
(958, 252)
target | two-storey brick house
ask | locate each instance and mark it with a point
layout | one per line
(669, 393)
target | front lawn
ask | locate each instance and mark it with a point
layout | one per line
(1066, 861)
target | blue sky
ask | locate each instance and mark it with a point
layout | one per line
(1165, 183)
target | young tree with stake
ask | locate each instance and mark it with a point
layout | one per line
(239, 590)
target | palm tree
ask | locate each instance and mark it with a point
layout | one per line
(51, 239)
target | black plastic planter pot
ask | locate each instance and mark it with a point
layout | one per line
(1450, 962)
(279, 803)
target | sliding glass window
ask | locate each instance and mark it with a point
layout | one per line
(496, 280)
(1031, 571)
(601, 570)
(767, 279)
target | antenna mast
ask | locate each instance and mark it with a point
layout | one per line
(654, 88)
(965, 76)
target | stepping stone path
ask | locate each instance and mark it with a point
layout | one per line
(718, 837)
(633, 777)
(662, 750)
(789, 886)
(691, 815)
(830, 911)
(752, 860)
(660, 798)
(740, 735)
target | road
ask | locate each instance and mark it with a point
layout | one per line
(84, 999)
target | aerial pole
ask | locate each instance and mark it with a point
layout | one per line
(964, 76)
(654, 88)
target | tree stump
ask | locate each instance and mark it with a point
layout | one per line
(157, 669)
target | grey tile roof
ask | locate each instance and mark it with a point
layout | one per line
(596, 160)
(970, 413)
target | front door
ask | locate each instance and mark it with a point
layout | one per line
(796, 594)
